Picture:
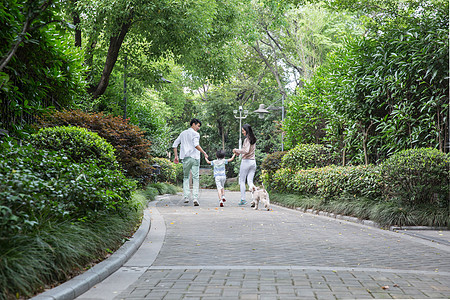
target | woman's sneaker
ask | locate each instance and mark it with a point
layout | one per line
(221, 203)
(243, 202)
(196, 202)
(223, 199)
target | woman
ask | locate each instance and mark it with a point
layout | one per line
(248, 163)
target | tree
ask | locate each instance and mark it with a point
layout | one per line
(39, 68)
(195, 31)
(388, 90)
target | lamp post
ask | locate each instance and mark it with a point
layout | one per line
(262, 110)
(156, 170)
(242, 115)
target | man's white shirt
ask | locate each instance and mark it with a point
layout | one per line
(189, 139)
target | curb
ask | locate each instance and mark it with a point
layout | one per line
(341, 217)
(366, 222)
(83, 282)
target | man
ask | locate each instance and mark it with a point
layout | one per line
(190, 156)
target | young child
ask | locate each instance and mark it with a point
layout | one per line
(219, 173)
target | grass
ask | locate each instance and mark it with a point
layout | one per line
(56, 252)
(384, 213)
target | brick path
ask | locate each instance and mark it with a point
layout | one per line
(239, 253)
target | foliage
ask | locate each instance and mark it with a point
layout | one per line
(308, 112)
(162, 188)
(59, 250)
(38, 184)
(417, 176)
(132, 149)
(410, 188)
(197, 33)
(272, 162)
(207, 181)
(305, 156)
(350, 182)
(79, 144)
(382, 92)
(168, 171)
(385, 213)
(39, 67)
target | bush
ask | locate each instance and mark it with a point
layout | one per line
(350, 182)
(329, 183)
(132, 149)
(306, 156)
(168, 170)
(162, 188)
(417, 176)
(39, 185)
(78, 143)
(272, 162)
(207, 181)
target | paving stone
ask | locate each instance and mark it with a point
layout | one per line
(239, 253)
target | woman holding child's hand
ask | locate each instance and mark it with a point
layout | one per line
(248, 163)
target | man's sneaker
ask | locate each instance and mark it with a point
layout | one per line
(186, 200)
(196, 203)
(252, 204)
(221, 204)
(243, 202)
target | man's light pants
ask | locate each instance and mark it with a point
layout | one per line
(191, 165)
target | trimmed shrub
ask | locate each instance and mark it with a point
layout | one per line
(168, 169)
(78, 143)
(272, 162)
(132, 148)
(38, 185)
(330, 182)
(350, 182)
(307, 156)
(417, 176)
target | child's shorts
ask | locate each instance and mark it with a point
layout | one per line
(220, 181)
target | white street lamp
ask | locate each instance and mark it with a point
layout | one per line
(262, 110)
(242, 115)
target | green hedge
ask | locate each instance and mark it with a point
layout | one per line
(78, 143)
(272, 162)
(417, 176)
(306, 156)
(411, 177)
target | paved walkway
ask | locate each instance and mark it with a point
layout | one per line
(232, 252)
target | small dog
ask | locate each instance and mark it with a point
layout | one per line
(260, 195)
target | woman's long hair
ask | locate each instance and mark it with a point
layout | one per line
(250, 135)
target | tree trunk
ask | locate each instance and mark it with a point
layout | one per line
(76, 22)
(115, 43)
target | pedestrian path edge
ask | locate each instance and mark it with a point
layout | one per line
(83, 282)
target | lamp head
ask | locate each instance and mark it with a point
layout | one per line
(261, 111)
